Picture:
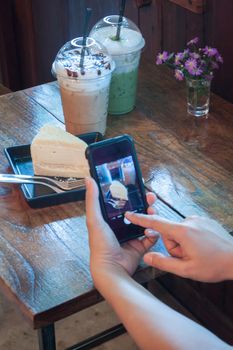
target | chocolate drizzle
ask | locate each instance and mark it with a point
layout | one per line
(108, 66)
(69, 73)
(97, 60)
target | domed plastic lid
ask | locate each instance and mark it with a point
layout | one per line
(75, 61)
(130, 39)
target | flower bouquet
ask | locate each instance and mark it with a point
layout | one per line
(196, 65)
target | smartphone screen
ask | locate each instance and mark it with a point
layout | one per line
(116, 170)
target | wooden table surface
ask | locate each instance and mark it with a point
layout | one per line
(44, 259)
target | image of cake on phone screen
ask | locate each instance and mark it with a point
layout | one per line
(119, 187)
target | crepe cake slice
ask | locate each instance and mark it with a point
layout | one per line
(118, 190)
(56, 152)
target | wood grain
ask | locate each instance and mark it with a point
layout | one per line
(45, 256)
(190, 160)
(216, 34)
(151, 28)
(45, 259)
(44, 253)
(172, 15)
(9, 64)
(132, 11)
(141, 3)
(196, 6)
(25, 42)
(4, 90)
(32, 32)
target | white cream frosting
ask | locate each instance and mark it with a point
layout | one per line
(56, 152)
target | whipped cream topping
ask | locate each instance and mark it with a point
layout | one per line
(95, 66)
(75, 61)
(130, 40)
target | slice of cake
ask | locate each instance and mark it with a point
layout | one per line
(56, 152)
(118, 190)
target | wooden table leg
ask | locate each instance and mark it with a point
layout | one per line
(46, 336)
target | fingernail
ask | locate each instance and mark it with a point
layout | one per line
(151, 233)
(147, 259)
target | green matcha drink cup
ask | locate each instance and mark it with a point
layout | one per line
(126, 53)
(84, 76)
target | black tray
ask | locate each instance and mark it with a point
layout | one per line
(39, 196)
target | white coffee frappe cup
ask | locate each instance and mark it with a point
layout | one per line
(126, 52)
(84, 76)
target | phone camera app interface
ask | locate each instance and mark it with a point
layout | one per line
(119, 187)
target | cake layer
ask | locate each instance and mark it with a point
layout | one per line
(56, 152)
(52, 134)
(47, 170)
(118, 190)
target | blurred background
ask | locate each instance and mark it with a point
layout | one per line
(32, 31)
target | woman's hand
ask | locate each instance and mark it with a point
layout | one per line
(149, 322)
(106, 252)
(199, 247)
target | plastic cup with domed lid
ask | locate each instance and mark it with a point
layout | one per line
(125, 49)
(84, 74)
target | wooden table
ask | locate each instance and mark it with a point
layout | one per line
(44, 260)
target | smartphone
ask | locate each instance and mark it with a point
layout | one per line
(114, 166)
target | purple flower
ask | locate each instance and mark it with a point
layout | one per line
(162, 57)
(194, 55)
(195, 62)
(219, 58)
(193, 41)
(179, 75)
(210, 51)
(178, 57)
(203, 63)
(209, 76)
(197, 71)
(190, 65)
(214, 65)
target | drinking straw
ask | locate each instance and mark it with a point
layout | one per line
(85, 28)
(121, 14)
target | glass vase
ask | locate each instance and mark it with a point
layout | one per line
(198, 96)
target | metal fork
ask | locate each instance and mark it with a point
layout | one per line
(62, 183)
(12, 180)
